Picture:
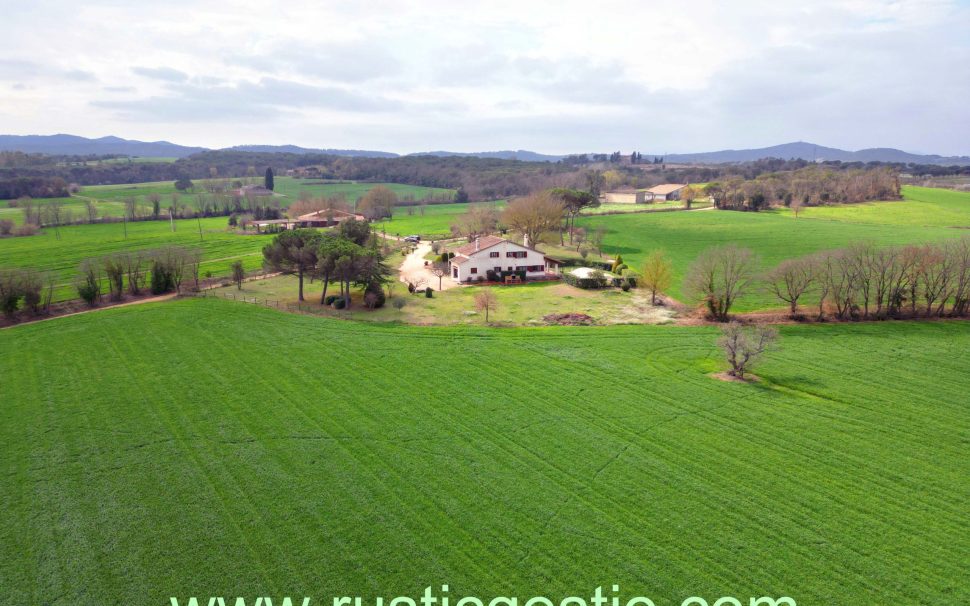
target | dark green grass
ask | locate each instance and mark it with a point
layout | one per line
(774, 236)
(205, 447)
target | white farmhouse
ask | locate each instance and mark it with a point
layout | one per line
(491, 253)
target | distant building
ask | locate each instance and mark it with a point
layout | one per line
(326, 218)
(253, 190)
(667, 191)
(625, 197)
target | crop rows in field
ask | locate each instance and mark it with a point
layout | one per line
(517, 461)
(45, 252)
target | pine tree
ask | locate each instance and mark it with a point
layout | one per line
(268, 180)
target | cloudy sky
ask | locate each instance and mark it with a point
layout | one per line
(555, 77)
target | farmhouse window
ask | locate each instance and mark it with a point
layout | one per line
(474, 270)
(454, 271)
(493, 254)
(517, 254)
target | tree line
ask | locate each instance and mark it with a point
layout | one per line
(810, 186)
(158, 271)
(859, 282)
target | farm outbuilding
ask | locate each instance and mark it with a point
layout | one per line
(625, 197)
(665, 192)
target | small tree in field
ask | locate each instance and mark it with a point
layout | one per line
(238, 274)
(743, 346)
(486, 301)
(657, 274)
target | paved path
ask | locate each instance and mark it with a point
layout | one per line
(413, 269)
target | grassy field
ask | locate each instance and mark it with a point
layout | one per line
(520, 305)
(291, 188)
(110, 198)
(434, 223)
(922, 206)
(776, 236)
(212, 448)
(62, 256)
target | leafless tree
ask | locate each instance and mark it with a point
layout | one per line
(486, 301)
(439, 269)
(91, 208)
(533, 215)
(114, 270)
(719, 276)
(790, 280)
(743, 346)
(133, 263)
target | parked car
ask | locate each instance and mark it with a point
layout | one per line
(413, 239)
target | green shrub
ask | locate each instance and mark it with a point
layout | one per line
(339, 303)
(374, 296)
(399, 303)
(428, 293)
(330, 299)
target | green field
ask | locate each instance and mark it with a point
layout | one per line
(922, 206)
(44, 252)
(208, 448)
(435, 221)
(291, 187)
(777, 236)
(110, 198)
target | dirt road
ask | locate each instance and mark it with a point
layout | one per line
(414, 271)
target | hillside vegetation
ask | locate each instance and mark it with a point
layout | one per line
(204, 446)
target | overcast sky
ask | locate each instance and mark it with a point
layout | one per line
(554, 77)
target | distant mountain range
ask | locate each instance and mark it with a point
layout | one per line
(82, 146)
(520, 154)
(74, 145)
(811, 152)
(294, 149)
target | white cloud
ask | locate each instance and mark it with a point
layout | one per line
(560, 76)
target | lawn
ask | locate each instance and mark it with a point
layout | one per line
(777, 236)
(45, 252)
(519, 305)
(201, 447)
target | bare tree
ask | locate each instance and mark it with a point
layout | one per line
(796, 205)
(790, 280)
(238, 274)
(439, 269)
(743, 346)
(91, 208)
(485, 300)
(533, 215)
(657, 274)
(134, 270)
(114, 270)
(720, 276)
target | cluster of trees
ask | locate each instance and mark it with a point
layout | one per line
(161, 270)
(35, 187)
(27, 288)
(859, 282)
(348, 256)
(808, 186)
